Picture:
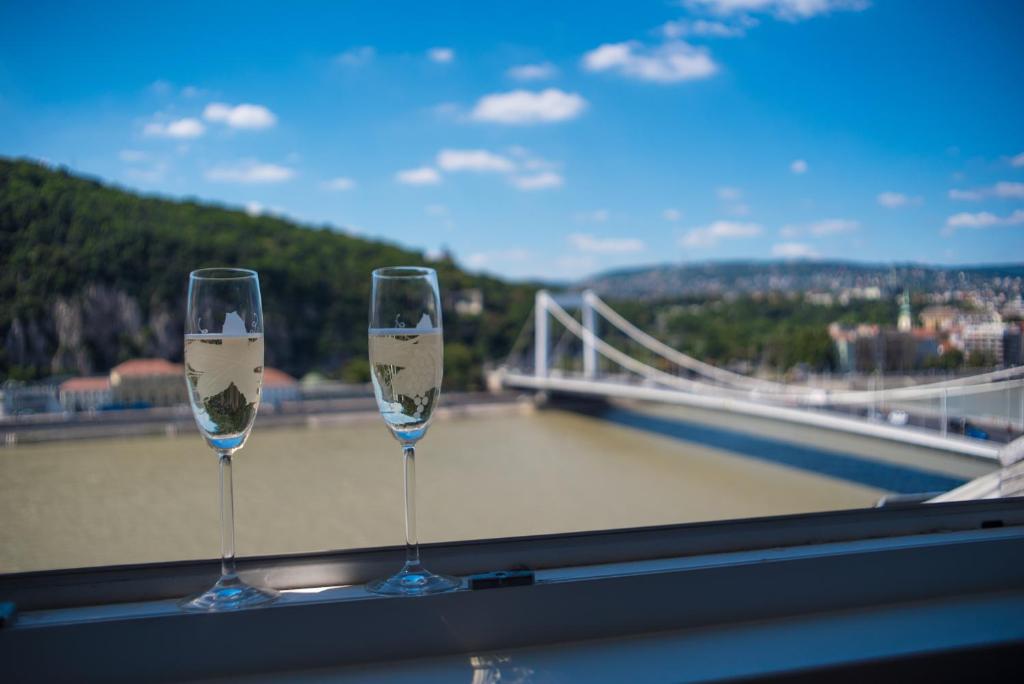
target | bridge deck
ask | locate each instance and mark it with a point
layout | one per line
(803, 416)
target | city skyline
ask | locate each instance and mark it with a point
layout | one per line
(554, 146)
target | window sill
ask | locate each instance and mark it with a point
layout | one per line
(629, 583)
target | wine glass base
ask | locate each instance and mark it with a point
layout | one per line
(414, 582)
(229, 593)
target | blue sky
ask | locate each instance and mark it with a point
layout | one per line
(551, 139)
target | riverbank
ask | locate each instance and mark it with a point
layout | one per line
(172, 420)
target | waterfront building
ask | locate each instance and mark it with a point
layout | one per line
(85, 394)
(18, 398)
(149, 382)
(278, 386)
(154, 382)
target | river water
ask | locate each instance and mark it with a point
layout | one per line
(512, 471)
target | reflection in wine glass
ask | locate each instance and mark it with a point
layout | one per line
(406, 357)
(224, 372)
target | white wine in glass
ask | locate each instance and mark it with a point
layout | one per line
(406, 362)
(224, 372)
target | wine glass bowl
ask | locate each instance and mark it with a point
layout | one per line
(224, 373)
(406, 348)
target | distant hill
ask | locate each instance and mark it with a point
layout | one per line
(91, 275)
(746, 277)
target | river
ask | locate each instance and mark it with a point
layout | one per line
(508, 472)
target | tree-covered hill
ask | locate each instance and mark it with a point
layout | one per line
(91, 275)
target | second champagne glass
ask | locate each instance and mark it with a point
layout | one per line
(224, 371)
(406, 362)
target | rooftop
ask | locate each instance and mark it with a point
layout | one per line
(273, 377)
(92, 384)
(144, 367)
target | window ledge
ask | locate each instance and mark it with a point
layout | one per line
(858, 582)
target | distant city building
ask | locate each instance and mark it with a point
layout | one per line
(984, 338)
(1014, 308)
(17, 398)
(86, 394)
(927, 345)
(149, 382)
(1013, 348)
(869, 293)
(905, 321)
(938, 317)
(278, 386)
(866, 348)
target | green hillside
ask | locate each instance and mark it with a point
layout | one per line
(91, 275)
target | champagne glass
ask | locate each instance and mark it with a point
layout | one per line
(406, 354)
(224, 372)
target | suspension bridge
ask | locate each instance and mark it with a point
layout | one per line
(581, 363)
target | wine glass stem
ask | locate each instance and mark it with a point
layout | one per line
(412, 546)
(227, 518)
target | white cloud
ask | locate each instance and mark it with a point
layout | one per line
(526, 159)
(154, 173)
(965, 195)
(423, 175)
(340, 184)
(131, 156)
(248, 116)
(473, 160)
(705, 28)
(790, 231)
(1008, 190)
(798, 166)
(537, 163)
(576, 264)
(532, 72)
(672, 214)
(1002, 190)
(709, 235)
(833, 226)
(589, 243)
(981, 220)
(794, 250)
(539, 181)
(595, 216)
(528, 107)
(1018, 160)
(789, 10)
(161, 87)
(446, 110)
(480, 260)
(191, 91)
(441, 55)
(740, 209)
(728, 194)
(253, 208)
(357, 56)
(250, 172)
(182, 129)
(671, 62)
(894, 200)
